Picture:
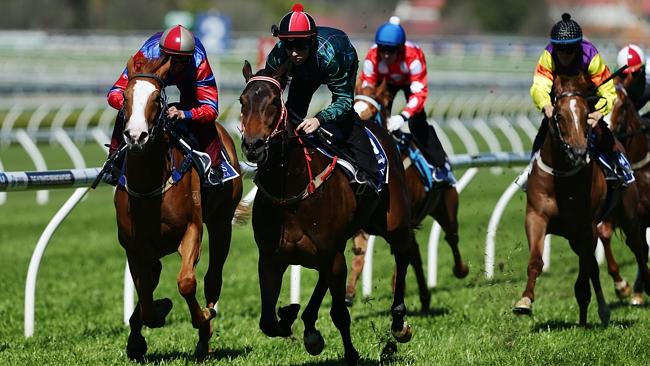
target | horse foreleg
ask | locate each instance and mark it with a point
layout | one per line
(190, 250)
(584, 246)
(360, 245)
(621, 286)
(446, 215)
(313, 340)
(535, 231)
(416, 263)
(270, 277)
(339, 312)
(603, 308)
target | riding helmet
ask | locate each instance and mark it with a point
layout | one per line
(632, 56)
(390, 34)
(566, 31)
(295, 24)
(177, 40)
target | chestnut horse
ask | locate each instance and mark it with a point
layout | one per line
(306, 210)
(566, 196)
(441, 203)
(627, 126)
(156, 217)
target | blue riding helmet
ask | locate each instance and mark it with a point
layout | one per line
(390, 34)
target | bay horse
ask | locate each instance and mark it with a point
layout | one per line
(306, 210)
(441, 203)
(566, 196)
(156, 218)
(627, 126)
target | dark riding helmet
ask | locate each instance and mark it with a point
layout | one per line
(295, 24)
(566, 31)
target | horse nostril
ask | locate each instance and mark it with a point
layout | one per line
(127, 135)
(143, 136)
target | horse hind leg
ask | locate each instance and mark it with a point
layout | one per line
(621, 287)
(418, 268)
(446, 214)
(400, 329)
(360, 246)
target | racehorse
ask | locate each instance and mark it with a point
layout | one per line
(566, 196)
(156, 218)
(626, 123)
(441, 203)
(306, 210)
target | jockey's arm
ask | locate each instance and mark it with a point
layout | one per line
(418, 87)
(599, 72)
(341, 83)
(540, 91)
(207, 96)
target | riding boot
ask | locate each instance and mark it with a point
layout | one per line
(426, 139)
(361, 151)
(617, 169)
(539, 138)
(112, 168)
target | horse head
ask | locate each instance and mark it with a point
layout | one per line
(568, 126)
(372, 102)
(623, 119)
(144, 100)
(263, 113)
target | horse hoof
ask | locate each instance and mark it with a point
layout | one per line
(404, 335)
(523, 307)
(622, 290)
(314, 343)
(637, 299)
(201, 351)
(460, 271)
(349, 300)
(136, 346)
(162, 308)
(287, 315)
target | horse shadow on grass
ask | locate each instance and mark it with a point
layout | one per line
(560, 325)
(218, 354)
(340, 361)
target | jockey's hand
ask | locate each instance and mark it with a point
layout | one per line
(395, 122)
(594, 117)
(175, 113)
(548, 111)
(309, 125)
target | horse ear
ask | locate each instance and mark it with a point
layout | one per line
(130, 66)
(247, 71)
(384, 93)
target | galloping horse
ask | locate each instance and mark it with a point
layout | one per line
(567, 195)
(441, 203)
(628, 128)
(156, 217)
(305, 211)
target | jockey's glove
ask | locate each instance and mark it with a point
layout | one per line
(395, 122)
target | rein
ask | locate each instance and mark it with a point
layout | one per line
(280, 127)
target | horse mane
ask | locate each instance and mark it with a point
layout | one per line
(148, 65)
(579, 83)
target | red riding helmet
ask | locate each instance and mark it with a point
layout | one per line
(632, 56)
(296, 24)
(177, 40)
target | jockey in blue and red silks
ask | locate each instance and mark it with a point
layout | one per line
(191, 73)
(569, 54)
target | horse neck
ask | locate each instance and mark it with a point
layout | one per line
(286, 172)
(146, 170)
(636, 144)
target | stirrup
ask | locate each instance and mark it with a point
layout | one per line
(213, 178)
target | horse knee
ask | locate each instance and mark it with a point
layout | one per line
(187, 285)
(535, 265)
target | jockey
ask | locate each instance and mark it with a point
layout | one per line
(402, 65)
(569, 54)
(639, 90)
(323, 56)
(190, 71)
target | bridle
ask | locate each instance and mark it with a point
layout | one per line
(158, 126)
(372, 102)
(556, 123)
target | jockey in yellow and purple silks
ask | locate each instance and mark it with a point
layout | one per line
(569, 54)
